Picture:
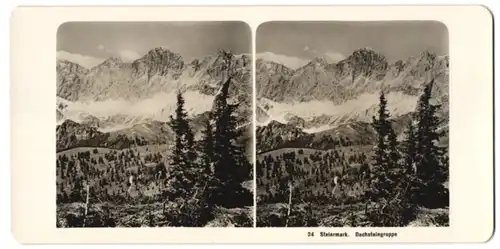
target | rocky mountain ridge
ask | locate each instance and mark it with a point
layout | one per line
(116, 94)
(321, 95)
(365, 71)
(160, 70)
(320, 101)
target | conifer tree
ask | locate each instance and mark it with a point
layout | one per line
(429, 156)
(383, 180)
(387, 186)
(182, 169)
(207, 163)
(410, 183)
(230, 163)
(380, 124)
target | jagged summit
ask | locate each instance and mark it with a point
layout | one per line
(159, 70)
(159, 61)
(364, 71)
(111, 62)
(121, 94)
(364, 62)
(161, 53)
(348, 90)
(367, 54)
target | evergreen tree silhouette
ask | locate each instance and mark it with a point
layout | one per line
(431, 170)
(207, 162)
(230, 163)
(182, 160)
(387, 186)
(384, 156)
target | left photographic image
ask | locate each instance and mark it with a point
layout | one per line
(154, 124)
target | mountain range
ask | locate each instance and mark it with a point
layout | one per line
(116, 103)
(310, 102)
(341, 98)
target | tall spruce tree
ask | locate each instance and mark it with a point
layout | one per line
(409, 180)
(386, 157)
(230, 163)
(182, 160)
(207, 164)
(431, 170)
(381, 124)
(386, 186)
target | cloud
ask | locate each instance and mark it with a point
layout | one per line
(100, 47)
(310, 50)
(82, 60)
(128, 55)
(289, 61)
(334, 57)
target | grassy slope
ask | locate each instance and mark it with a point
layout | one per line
(310, 165)
(120, 184)
(330, 212)
(135, 211)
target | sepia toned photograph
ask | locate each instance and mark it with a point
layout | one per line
(154, 124)
(352, 124)
(251, 124)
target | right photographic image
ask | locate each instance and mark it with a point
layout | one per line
(352, 124)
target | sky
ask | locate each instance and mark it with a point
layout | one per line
(298, 42)
(90, 43)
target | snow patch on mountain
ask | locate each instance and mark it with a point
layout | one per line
(317, 129)
(360, 109)
(124, 113)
